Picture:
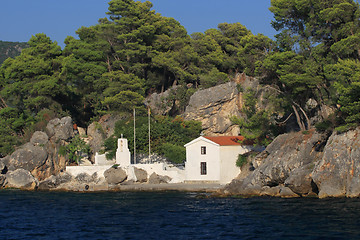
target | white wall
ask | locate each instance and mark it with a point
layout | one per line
(228, 156)
(100, 160)
(76, 170)
(194, 158)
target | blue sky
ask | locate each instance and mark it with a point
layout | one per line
(20, 19)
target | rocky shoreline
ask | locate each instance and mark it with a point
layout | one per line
(303, 164)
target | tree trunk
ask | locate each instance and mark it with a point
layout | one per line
(305, 115)
(298, 119)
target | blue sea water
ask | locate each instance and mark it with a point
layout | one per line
(173, 215)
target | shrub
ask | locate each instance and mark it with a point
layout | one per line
(241, 161)
(175, 153)
(74, 149)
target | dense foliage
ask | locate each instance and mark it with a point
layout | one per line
(134, 51)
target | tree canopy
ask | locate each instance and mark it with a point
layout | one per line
(133, 52)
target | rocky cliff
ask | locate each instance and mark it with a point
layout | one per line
(214, 106)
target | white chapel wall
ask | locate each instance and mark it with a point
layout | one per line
(228, 156)
(194, 158)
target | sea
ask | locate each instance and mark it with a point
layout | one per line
(173, 215)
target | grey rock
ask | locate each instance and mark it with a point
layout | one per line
(39, 138)
(21, 178)
(141, 175)
(85, 178)
(286, 192)
(300, 181)
(61, 129)
(338, 172)
(48, 183)
(53, 181)
(213, 106)
(271, 191)
(238, 187)
(158, 179)
(115, 175)
(27, 157)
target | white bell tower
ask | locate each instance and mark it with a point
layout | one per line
(123, 153)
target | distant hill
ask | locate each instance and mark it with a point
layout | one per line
(10, 49)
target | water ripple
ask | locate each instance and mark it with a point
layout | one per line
(172, 215)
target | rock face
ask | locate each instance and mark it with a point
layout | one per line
(115, 175)
(213, 107)
(287, 162)
(21, 178)
(338, 173)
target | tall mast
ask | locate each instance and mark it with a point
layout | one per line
(134, 140)
(149, 131)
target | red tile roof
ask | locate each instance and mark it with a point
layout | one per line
(227, 140)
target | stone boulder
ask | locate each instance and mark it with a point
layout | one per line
(27, 157)
(141, 175)
(39, 138)
(115, 175)
(60, 129)
(21, 178)
(338, 172)
(300, 181)
(157, 179)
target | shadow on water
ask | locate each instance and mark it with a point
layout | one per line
(173, 215)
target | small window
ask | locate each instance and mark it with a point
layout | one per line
(203, 150)
(203, 168)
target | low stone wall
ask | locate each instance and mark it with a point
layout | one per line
(177, 175)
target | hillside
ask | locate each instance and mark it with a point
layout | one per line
(10, 49)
